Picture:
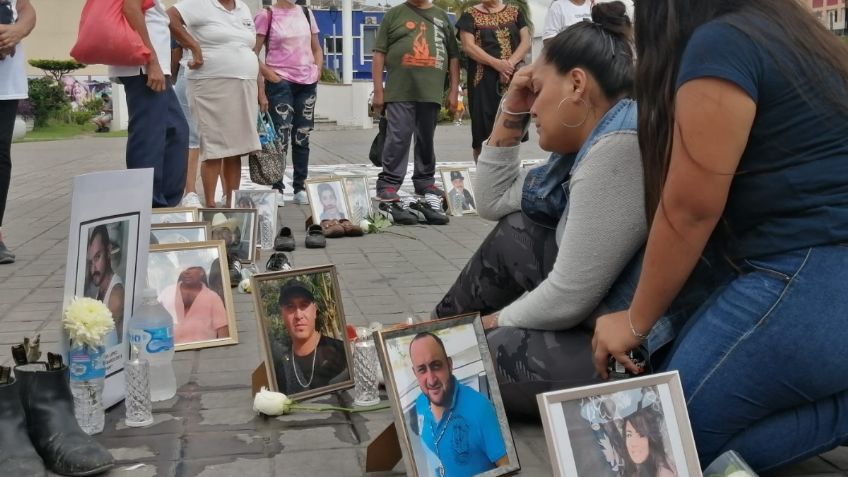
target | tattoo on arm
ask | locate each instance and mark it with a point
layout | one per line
(518, 126)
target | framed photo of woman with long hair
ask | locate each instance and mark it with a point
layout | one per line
(631, 427)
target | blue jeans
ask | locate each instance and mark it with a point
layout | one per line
(158, 138)
(763, 361)
(292, 108)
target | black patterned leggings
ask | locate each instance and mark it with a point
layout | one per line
(515, 257)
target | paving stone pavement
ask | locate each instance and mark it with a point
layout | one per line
(209, 429)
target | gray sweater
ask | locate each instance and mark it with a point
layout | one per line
(603, 227)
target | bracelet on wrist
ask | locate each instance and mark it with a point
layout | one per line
(640, 336)
(503, 109)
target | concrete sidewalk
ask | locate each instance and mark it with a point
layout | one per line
(209, 429)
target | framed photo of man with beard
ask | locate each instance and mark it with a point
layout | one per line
(193, 284)
(447, 406)
(302, 331)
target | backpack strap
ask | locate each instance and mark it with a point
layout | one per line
(270, 24)
(308, 17)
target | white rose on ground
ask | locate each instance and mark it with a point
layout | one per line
(271, 403)
(364, 224)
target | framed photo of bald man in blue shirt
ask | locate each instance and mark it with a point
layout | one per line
(447, 406)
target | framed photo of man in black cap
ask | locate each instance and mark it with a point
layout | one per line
(302, 331)
(460, 194)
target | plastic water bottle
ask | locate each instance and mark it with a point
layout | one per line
(152, 331)
(87, 374)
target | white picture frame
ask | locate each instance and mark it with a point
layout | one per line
(599, 430)
(265, 203)
(358, 198)
(459, 190)
(331, 188)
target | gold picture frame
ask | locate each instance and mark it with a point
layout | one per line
(169, 266)
(306, 288)
(472, 376)
(586, 428)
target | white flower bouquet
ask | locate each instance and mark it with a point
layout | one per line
(87, 322)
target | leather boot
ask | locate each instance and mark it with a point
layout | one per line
(53, 429)
(17, 455)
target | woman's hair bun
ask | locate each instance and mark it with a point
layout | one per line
(612, 16)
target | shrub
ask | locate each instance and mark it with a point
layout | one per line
(47, 98)
(25, 109)
(81, 116)
(328, 76)
(445, 115)
(57, 68)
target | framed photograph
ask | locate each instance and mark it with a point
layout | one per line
(356, 191)
(236, 227)
(446, 402)
(302, 331)
(193, 284)
(637, 426)
(173, 215)
(105, 270)
(187, 232)
(460, 194)
(531, 163)
(327, 199)
(265, 203)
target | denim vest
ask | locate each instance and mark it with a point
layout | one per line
(544, 198)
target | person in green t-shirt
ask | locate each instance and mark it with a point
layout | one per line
(416, 43)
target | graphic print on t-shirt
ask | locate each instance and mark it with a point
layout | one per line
(420, 49)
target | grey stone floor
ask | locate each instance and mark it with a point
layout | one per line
(209, 429)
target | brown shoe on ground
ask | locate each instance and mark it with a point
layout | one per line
(332, 228)
(350, 229)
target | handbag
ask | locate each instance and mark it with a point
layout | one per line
(268, 165)
(376, 152)
(105, 36)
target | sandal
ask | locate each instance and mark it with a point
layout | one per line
(350, 229)
(332, 228)
(315, 237)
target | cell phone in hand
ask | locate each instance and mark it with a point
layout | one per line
(7, 17)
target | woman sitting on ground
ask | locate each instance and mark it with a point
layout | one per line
(743, 119)
(547, 265)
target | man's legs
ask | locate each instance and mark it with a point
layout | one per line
(514, 258)
(176, 143)
(426, 116)
(400, 123)
(303, 96)
(8, 109)
(147, 132)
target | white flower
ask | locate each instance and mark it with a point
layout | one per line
(365, 225)
(271, 403)
(88, 321)
(244, 286)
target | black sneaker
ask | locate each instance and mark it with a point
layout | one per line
(432, 215)
(6, 255)
(235, 269)
(398, 214)
(278, 262)
(430, 189)
(388, 194)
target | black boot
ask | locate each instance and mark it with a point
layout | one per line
(17, 456)
(53, 429)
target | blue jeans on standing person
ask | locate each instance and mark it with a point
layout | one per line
(158, 138)
(292, 108)
(763, 362)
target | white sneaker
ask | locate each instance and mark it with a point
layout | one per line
(191, 200)
(301, 198)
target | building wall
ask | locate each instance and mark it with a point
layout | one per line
(832, 14)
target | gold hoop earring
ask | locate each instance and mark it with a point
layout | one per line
(574, 100)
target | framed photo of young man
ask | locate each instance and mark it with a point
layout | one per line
(636, 426)
(449, 416)
(173, 215)
(193, 283)
(457, 183)
(302, 331)
(358, 198)
(187, 232)
(236, 227)
(327, 199)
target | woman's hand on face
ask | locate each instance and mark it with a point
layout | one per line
(613, 336)
(520, 96)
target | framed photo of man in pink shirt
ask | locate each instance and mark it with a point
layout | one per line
(193, 284)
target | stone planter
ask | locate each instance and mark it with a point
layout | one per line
(30, 124)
